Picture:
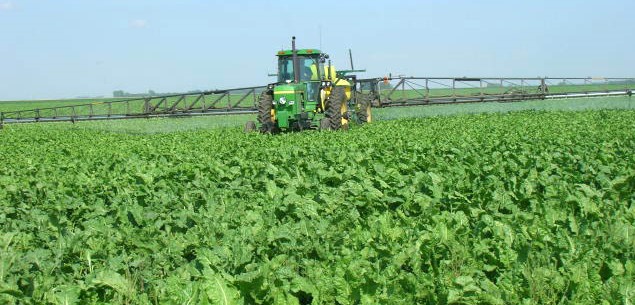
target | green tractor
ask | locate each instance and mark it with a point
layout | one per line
(309, 94)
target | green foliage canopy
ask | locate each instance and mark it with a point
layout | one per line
(521, 208)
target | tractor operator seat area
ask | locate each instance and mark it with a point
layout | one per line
(308, 68)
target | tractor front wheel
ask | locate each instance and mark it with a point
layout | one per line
(250, 126)
(325, 124)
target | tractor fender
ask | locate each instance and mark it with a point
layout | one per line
(326, 92)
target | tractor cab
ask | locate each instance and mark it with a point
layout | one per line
(311, 70)
(309, 62)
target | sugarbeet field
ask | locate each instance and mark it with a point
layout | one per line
(528, 207)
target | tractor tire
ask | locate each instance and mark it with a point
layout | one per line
(250, 126)
(363, 111)
(336, 107)
(325, 124)
(265, 105)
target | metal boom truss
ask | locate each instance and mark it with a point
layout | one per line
(385, 92)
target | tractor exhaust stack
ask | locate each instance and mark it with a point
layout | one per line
(296, 68)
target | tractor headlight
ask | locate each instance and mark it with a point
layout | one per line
(283, 100)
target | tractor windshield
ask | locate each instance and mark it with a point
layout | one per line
(308, 68)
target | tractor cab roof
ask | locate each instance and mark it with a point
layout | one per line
(300, 52)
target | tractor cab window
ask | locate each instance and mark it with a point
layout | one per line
(285, 69)
(308, 68)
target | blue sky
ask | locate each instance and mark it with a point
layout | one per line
(68, 48)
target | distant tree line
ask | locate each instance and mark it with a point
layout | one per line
(622, 82)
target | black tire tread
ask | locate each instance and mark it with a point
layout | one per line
(364, 103)
(264, 111)
(334, 106)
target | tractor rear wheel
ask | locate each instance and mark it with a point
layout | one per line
(265, 118)
(364, 113)
(336, 108)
